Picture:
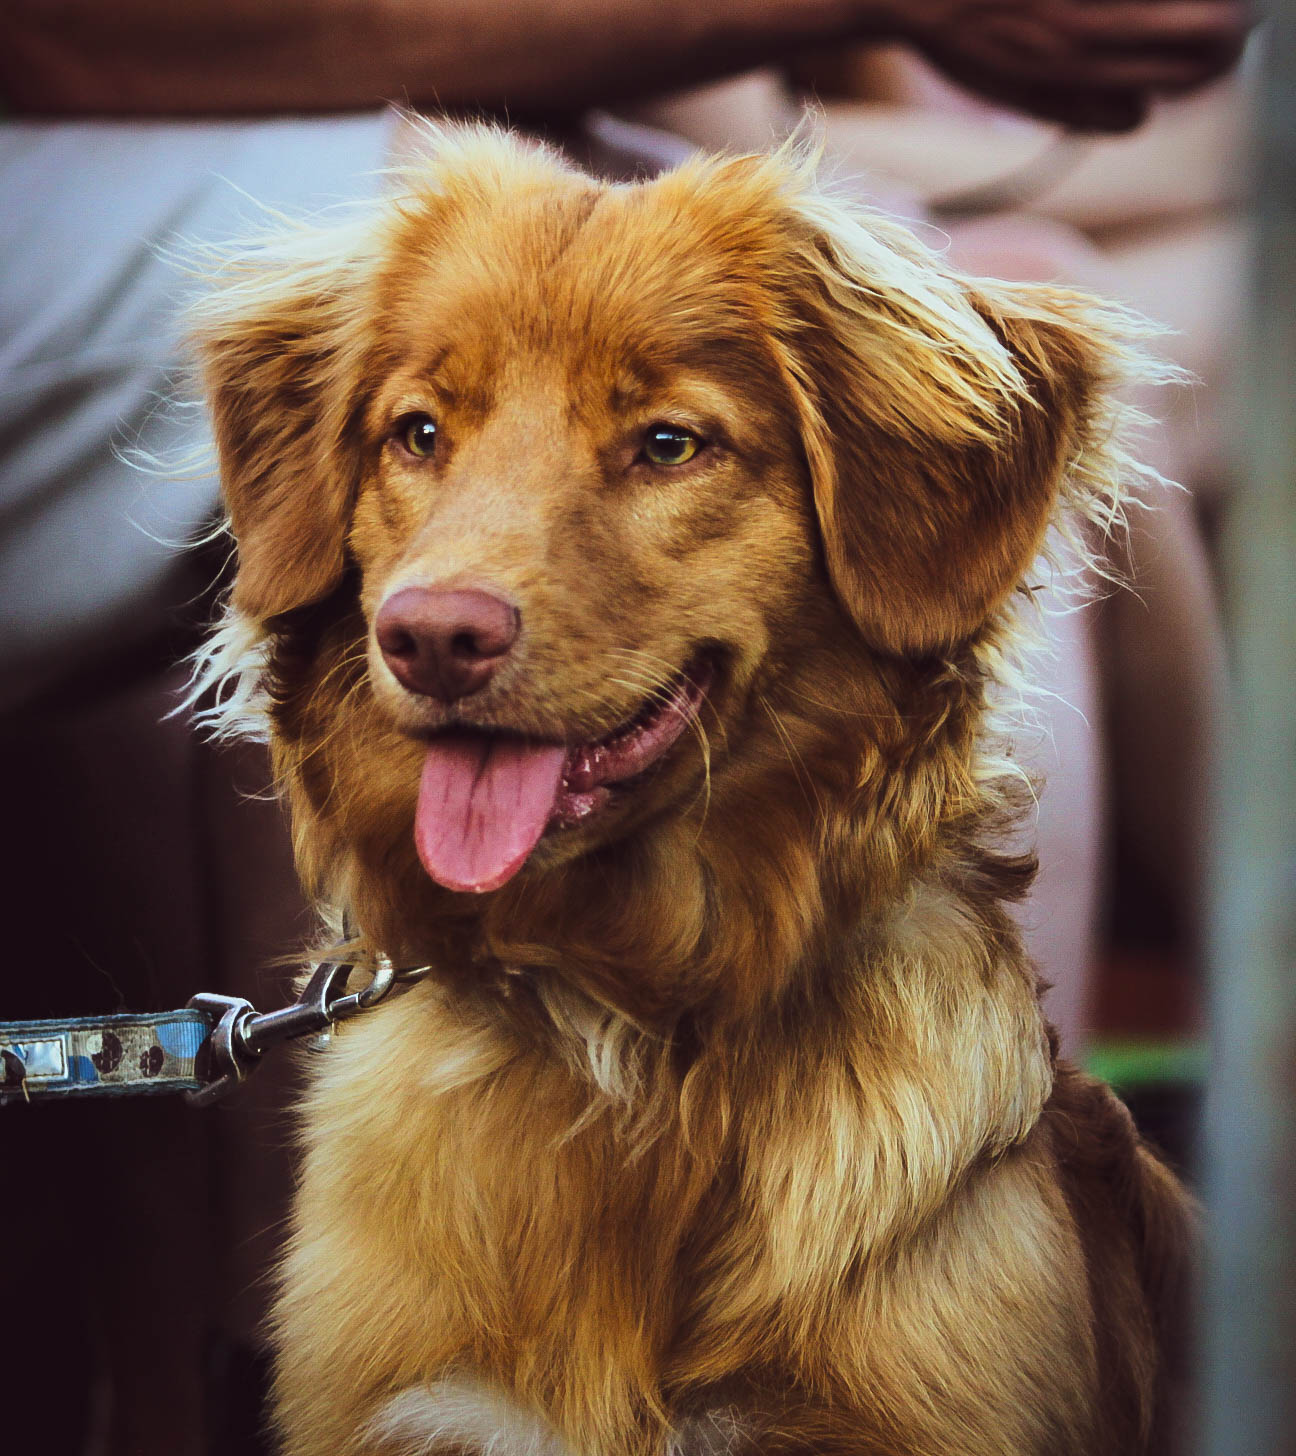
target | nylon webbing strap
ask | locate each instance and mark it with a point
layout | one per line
(88, 1056)
(206, 1049)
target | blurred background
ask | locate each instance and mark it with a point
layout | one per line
(1142, 149)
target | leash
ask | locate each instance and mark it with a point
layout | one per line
(204, 1050)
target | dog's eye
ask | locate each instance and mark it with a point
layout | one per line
(670, 445)
(418, 434)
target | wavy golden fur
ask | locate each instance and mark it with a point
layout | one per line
(731, 1122)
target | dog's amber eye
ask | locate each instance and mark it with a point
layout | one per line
(418, 434)
(669, 445)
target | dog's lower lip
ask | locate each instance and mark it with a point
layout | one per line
(640, 742)
(596, 770)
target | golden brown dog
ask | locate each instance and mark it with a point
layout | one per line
(629, 575)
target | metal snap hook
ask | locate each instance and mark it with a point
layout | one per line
(384, 978)
(241, 1034)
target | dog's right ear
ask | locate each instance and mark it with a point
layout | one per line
(275, 346)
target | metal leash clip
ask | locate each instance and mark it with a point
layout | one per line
(241, 1034)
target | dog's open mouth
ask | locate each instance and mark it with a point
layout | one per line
(486, 797)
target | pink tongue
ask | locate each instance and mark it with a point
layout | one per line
(483, 803)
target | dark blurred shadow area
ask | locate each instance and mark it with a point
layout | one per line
(1072, 144)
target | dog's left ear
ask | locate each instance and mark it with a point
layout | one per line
(938, 418)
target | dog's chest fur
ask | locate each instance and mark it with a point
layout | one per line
(504, 1296)
(461, 1412)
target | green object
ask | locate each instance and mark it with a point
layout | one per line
(1146, 1062)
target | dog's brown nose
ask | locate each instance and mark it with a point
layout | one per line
(445, 644)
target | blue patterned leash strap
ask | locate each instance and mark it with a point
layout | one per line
(206, 1049)
(103, 1055)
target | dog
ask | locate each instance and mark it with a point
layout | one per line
(629, 581)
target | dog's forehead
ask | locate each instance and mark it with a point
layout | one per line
(623, 280)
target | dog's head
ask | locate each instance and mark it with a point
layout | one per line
(573, 479)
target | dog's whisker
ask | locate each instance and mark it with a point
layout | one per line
(652, 692)
(836, 709)
(799, 768)
(645, 671)
(704, 745)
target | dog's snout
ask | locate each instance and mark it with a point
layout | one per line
(445, 644)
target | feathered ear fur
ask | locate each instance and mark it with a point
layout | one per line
(275, 340)
(925, 540)
(939, 418)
